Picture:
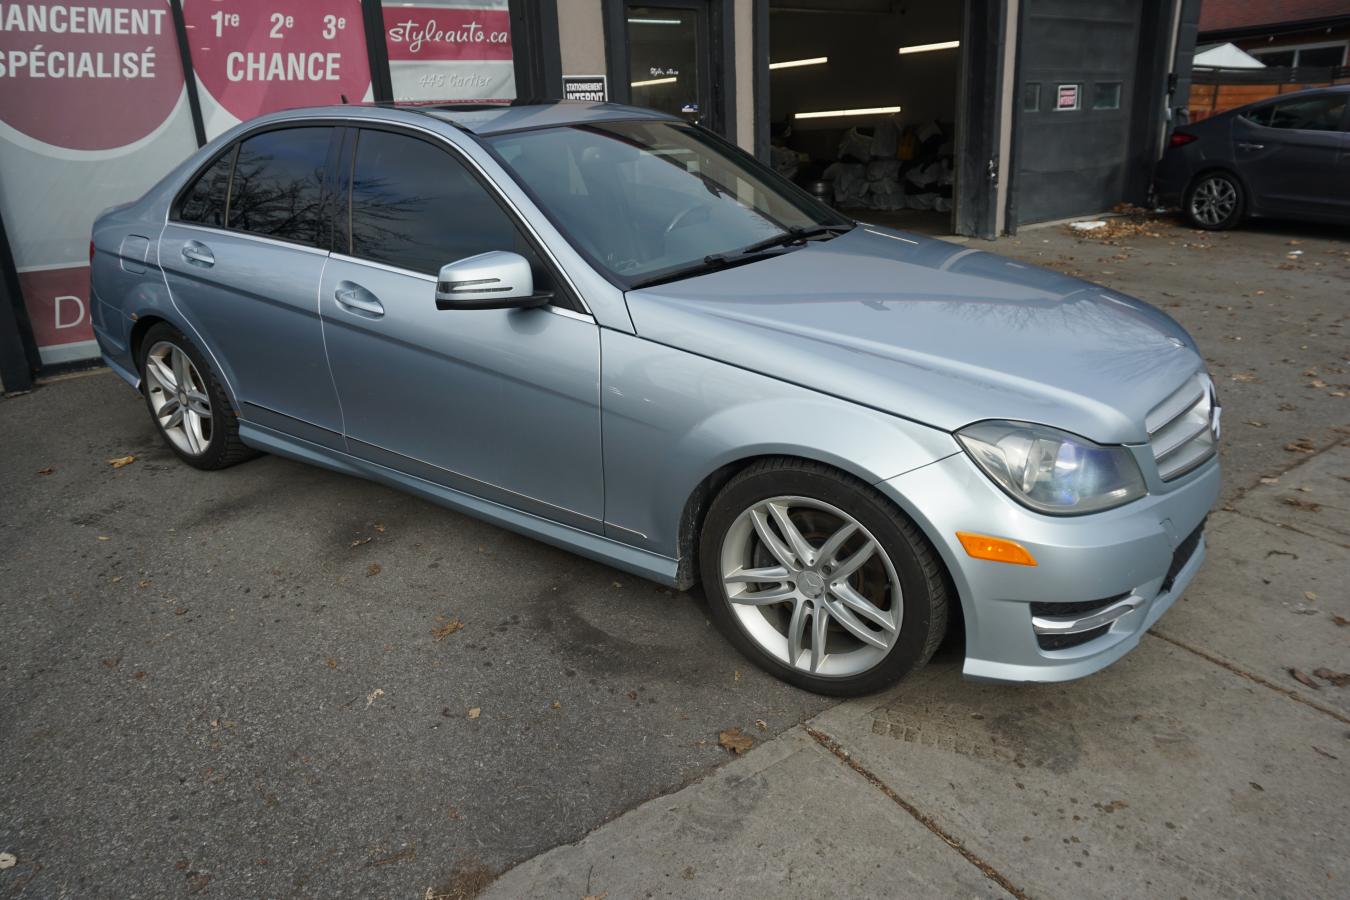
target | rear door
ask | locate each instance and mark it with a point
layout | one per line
(500, 403)
(243, 256)
(1290, 153)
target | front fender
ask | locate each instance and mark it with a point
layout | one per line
(670, 419)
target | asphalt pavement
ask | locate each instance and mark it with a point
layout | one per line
(280, 681)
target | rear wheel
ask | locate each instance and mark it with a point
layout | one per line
(188, 404)
(820, 580)
(1215, 201)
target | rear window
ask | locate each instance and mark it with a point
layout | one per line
(277, 187)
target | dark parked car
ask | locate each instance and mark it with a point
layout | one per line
(1285, 157)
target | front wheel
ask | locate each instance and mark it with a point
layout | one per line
(820, 580)
(1215, 201)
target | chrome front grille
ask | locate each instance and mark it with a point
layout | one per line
(1183, 430)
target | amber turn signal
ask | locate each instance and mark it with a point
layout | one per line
(981, 546)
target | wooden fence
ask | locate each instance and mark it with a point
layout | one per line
(1218, 90)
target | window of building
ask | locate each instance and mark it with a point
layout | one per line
(1324, 113)
(415, 207)
(1311, 55)
(1031, 96)
(278, 184)
(1106, 95)
(203, 202)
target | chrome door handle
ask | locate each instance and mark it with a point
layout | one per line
(1247, 145)
(354, 298)
(197, 252)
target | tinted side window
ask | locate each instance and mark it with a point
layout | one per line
(415, 207)
(204, 202)
(1307, 114)
(278, 184)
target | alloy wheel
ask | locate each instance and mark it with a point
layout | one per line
(179, 397)
(1214, 200)
(811, 586)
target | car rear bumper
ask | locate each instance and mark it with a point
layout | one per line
(1100, 581)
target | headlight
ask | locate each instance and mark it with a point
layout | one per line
(1052, 471)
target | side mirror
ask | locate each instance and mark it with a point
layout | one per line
(493, 280)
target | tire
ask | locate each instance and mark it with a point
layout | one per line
(821, 504)
(202, 429)
(1214, 201)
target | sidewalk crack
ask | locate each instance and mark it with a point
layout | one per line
(926, 821)
(1252, 676)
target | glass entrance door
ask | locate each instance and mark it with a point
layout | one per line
(668, 58)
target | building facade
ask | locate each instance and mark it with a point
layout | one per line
(970, 117)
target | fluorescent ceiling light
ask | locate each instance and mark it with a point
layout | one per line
(671, 80)
(794, 63)
(655, 21)
(924, 48)
(870, 111)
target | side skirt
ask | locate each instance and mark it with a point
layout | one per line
(642, 563)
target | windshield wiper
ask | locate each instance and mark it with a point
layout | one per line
(795, 235)
(715, 261)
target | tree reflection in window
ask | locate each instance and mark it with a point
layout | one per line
(415, 207)
(204, 202)
(278, 184)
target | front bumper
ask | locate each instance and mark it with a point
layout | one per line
(1101, 580)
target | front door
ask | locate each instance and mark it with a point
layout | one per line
(244, 270)
(668, 58)
(502, 404)
(1289, 153)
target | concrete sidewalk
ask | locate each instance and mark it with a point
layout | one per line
(1196, 767)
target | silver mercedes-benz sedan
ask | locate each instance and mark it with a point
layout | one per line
(615, 332)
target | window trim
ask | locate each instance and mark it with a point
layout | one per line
(565, 294)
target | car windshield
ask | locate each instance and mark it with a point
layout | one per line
(651, 201)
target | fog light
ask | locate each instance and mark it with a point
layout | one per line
(981, 546)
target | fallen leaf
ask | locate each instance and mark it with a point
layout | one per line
(373, 569)
(1340, 620)
(143, 583)
(378, 527)
(180, 611)
(732, 739)
(373, 696)
(447, 628)
(330, 662)
(1256, 424)
(475, 712)
(47, 471)
(556, 705)
(1256, 787)
(1323, 752)
(600, 896)
(121, 461)
(359, 541)
(1303, 679)
(738, 675)
(1339, 679)
(761, 725)
(1302, 445)
(453, 812)
(1300, 503)
(140, 675)
(1244, 377)
(104, 537)
(1309, 595)
(112, 662)
(1268, 479)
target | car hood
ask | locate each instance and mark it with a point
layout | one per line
(934, 331)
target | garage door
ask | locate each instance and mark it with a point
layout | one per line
(1079, 63)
